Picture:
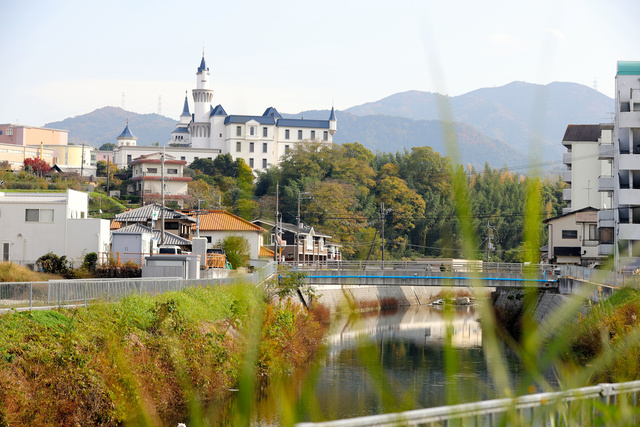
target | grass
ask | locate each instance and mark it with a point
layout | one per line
(11, 272)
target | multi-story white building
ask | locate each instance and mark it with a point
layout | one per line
(626, 166)
(34, 224)
(259, 140)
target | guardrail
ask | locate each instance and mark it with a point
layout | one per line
(554, 408)
(55, 293)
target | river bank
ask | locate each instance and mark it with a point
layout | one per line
(147, 360)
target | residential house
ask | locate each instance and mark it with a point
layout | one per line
(312, 246)
(148, 176)
(34, 224)
(175, 222)
(574, 238)
(137, 241)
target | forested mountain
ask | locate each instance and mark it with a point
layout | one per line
(517, 113)
(105, 124)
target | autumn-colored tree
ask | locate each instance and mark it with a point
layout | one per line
(37, 165)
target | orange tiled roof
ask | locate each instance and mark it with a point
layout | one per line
(115, 225)
(266, 252)
(220, 220)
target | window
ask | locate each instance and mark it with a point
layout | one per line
(264, 147)
(238, 146)
(569, 234)
(286, 134)
(313, 134)
(264, 163)
(172, 171)
(238, 131)
(183, 158)
(286, 148)
(252, 130)
(325, 136)
(299, 134)
(251, 163)
(251, 147)
(593, 232)
(6, 247)
(9, 131)
(128, 158)
(264, 132)
(152, 170)
(38, 215)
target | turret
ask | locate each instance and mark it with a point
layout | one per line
(200, 128)
(126, 138)
(185, 117)
(333, 123)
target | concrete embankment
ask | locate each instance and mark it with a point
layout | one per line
(337, 297)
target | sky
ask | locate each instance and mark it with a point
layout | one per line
(61, 59)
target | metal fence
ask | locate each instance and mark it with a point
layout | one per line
(55, 293)
(582, 406)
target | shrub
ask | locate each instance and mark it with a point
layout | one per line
(237, 250)
(53, 264)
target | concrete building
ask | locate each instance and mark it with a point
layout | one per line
(148, 177)
(32, 135)
(259, 140)
(626, 162)
(34, 224)
(15, 155)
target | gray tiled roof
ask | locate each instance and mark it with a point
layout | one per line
(169, 238)
(582, 133)
(145, 213)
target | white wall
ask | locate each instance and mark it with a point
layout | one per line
(252, 236)
(87, 235)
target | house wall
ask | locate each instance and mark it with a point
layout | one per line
(556, 227)
(585, 172)
(87, 235)
(27, 135)
(131, 246)
(252, 236)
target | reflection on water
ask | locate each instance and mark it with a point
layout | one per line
(396, 362)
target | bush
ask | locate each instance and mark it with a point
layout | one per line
(237, 250)
(53, 264)
(90, 261)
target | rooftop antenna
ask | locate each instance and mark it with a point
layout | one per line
(160, 105)
(123, 100)
(595, 83)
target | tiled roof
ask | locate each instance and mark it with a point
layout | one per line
(218, 111)
(219, 220)
(145, 213)
(126, 133)
(244, 119)
(133, 228)
(304, 123)
(265, 252)
(582, 133)
(271, 112)
(169, 238)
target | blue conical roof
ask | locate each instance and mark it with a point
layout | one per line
(126, 133)
(333, 114)
(203, 66)
(218, 111)
(185, 110)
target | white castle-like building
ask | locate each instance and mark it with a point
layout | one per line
(259, 140)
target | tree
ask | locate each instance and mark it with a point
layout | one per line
(108, 146)
(200, 190)
(37, 165)
(237, 250)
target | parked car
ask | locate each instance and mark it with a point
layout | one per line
(170, 249)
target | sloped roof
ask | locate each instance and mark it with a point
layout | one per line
(203, 65)
(185, 109)
(333, 114)
(292, 228)
(580, 133)
(303, 123)
(265, 252)
(218, 111)
(244, 119)
(145, 213)
(271, 112)
(220, 220)
(169, 238)
(126, 133)
(133, 228)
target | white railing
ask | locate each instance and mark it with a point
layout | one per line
(57, 293)
(581, 406)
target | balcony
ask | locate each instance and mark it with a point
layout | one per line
(630, 119)
(606, 218)
(605, 151)
(566, 176)
(629, 162)
(605, 249)
(606, 183)
(566, 194)
(629, 231)
(629, 196)
(566, 158)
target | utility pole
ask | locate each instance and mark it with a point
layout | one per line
(107, 176)
(276, 235)
(162, 192)
(382, 216)
(300, 193)
(142, 189)
(489, 236)
(82, 165)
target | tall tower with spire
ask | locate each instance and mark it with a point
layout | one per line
(202, 97)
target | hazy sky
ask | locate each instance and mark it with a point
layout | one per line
(65, 58)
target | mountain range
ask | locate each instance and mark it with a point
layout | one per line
(495, 125)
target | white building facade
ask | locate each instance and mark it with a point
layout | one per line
(148, 175)
(626, 152)
(34, 224)
(259, 140)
